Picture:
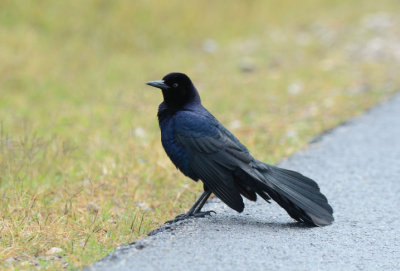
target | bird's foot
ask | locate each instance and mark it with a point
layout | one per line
(203, 214)
(186, 216)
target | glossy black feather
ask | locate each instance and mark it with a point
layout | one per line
(203, 149)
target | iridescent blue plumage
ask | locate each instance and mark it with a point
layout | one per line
(203, 149)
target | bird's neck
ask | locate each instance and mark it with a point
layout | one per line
(166, 111)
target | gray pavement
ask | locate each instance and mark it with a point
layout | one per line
(358, 168)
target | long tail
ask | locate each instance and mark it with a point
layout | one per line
(298, 195)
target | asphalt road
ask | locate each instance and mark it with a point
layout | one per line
(358, 168)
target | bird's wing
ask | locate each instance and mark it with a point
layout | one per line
(214, 155)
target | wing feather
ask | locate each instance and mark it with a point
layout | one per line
(213, 158)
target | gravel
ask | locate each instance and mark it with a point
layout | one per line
(357, 166)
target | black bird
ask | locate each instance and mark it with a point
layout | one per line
(203, 149)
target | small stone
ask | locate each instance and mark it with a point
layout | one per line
(247, 65)
(140, 132)
(292, 134)
(210, 46)
(92, 207)
(9, 261)
(295, 88)
(86, 182)
(235, 124)
(378, 21)
(143, 205)
(54, 250)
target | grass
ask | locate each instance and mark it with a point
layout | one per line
(82, 167)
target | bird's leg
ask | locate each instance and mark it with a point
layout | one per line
(195, 211)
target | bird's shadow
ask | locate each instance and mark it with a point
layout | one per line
(233, 221)
(255, 222)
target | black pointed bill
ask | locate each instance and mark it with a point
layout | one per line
(158, 84)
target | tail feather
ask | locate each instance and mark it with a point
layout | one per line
(298, 195)
(302, 185)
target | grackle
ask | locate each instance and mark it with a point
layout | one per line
(203, 149)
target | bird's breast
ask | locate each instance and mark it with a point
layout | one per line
(174, 150)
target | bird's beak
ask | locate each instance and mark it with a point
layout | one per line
(158, 84)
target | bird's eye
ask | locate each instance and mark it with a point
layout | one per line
(175, 85)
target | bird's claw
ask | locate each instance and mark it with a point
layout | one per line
(186, 216)
(203, 214)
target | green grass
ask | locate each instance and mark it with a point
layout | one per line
(81, 164)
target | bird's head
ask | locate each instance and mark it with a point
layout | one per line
(178, 90)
